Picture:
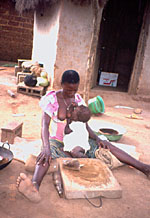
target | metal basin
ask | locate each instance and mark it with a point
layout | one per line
(112, 131)
(5, 153)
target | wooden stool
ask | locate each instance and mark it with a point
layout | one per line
(10, 131)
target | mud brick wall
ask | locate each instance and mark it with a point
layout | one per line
(16, 33)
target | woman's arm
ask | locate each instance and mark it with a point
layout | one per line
(100, 142)
(67, 129)
(45, 155)
(92, 135)
(45, 129)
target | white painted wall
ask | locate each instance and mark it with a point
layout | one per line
(45, 36)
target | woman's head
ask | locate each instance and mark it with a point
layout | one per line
(70, 76)
(70, 83)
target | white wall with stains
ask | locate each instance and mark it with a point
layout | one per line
(74, 38)
(46, 27)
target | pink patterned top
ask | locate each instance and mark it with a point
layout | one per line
(49, 105)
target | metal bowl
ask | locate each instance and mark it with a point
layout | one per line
(112, 131)
(6, 153)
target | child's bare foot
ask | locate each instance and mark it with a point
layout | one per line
(26, 187)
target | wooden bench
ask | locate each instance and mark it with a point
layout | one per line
(10, 131)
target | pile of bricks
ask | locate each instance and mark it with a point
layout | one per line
(37, 91)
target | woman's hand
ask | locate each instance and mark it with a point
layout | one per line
(102, 143)
(44, 157)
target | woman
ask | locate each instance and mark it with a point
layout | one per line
(55, 107)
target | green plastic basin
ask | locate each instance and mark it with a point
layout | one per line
(96, 105)
(113, 132)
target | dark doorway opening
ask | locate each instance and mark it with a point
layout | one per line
(118, 39)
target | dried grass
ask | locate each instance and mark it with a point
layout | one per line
(24, 5)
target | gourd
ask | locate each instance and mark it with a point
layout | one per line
(42, 81)
(44, 74)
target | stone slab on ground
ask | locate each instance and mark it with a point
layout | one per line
(93, 180)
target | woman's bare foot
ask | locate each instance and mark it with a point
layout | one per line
(26, 187)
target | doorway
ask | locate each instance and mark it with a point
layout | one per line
(118, 39)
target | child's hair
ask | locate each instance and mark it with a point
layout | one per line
(84, 114)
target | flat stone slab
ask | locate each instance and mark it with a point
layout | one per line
(93, 180)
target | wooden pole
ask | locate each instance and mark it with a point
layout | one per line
(97, 13)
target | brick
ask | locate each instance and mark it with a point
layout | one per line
(9, 28)
(20, 19)
(12, 23)
(27, 25)
(2, 11)
(7, 17)
(17, 69)
(3, 22)
(20, 61)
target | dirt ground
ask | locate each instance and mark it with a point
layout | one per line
(136, 192)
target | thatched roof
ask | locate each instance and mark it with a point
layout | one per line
(24, 5)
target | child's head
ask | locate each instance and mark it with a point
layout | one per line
(81, 113)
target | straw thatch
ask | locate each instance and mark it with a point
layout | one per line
(24, 5)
